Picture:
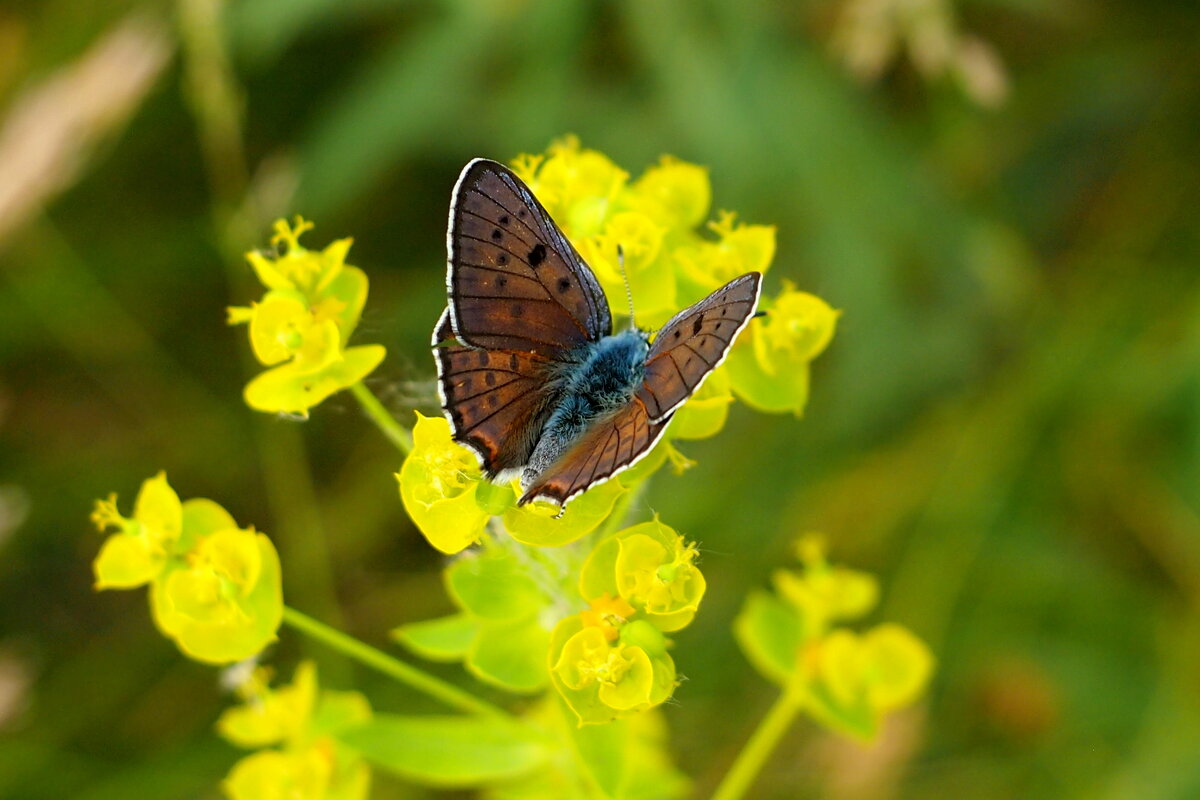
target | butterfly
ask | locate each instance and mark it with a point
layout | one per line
(530, 374)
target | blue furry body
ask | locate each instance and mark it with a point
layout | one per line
(602, 378)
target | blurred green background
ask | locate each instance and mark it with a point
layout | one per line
(1002, 196)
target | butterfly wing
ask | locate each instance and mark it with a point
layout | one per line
(693, 343)
(688, 348)
(610, 446)
(515, 282)
(495, 400)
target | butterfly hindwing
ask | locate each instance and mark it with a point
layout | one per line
(495, 400)
(515, 282)
(610, 446)
(693, 343)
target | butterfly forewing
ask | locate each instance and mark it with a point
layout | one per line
(612, 445)
(693, 343)
(495, 400)
(515, 282)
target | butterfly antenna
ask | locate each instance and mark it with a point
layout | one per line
(625, 277)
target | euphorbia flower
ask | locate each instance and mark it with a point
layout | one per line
(137, 552)
(769, 364)
(438, 485)
(650, 567)
(303, 323)
(224, 602)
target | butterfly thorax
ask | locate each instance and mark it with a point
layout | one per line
(598, 382)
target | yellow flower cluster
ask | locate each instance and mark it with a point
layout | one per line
(673, 259)
(301, 325)
(215, 588)
(611, 659)
(293, 730)
(845, 680)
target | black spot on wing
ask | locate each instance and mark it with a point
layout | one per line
(537, 255)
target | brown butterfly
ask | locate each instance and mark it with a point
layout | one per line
(530, 374)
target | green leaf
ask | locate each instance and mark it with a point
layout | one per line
(769, 633)
(857, 719)
(492, 585)
(511, 655)
(441, 639)
(448, 751)
(339, 711)
(602, 752)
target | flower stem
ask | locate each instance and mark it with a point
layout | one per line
(762, 742)
(423, 682)
(396, 433)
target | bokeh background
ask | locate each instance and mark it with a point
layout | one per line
(1001, 195)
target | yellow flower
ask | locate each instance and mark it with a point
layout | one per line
(705, 412)
(139, 549)
(225, 602)
(297, 267)
(271, 775)
(797, 329)
(887, 668)
(577, 186)
(847, 681)
(674, 192)
(309, 765)
(769, 364)
(214, 588)
(650, 568)
(623, 674)
(739, 249)
(826, 594)
(303, 323)
(271, 716)
(608, 614)
(601, 678)
(438, 485)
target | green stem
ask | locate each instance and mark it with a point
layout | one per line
(407, 674)
(396, 433)
(766, 736)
